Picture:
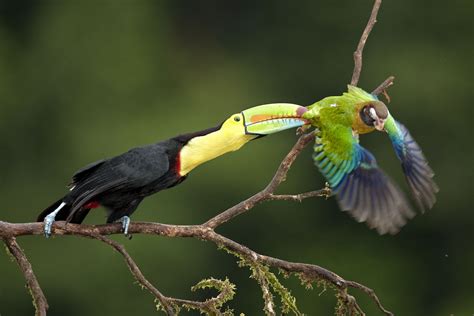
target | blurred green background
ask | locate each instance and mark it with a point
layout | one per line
(83, 80)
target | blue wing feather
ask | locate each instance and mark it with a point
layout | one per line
(418, 173)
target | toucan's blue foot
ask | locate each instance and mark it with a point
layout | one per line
(125, 224)
(49, 220)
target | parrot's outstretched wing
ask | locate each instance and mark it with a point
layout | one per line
(414, 164)
(360, 186)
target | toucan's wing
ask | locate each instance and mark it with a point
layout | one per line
(84, 172)
(414, 164)
(133, 170)
(141, 166)
(360, 186)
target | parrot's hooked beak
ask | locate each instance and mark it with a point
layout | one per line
(378, 118)
(379, 124)
(271, 118)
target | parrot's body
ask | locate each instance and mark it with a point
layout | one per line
(361, 188)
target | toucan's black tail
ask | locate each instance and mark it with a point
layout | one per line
(64, 212)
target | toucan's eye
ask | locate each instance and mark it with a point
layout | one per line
(237, 118)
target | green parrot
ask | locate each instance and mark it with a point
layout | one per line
(360, 186)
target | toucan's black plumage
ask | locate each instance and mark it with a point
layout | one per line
(120, 183)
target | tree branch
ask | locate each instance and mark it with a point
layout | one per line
(383, 87)
(309, 271)
(39, 300)
(326, 192)
(135, 270)
(363, 39)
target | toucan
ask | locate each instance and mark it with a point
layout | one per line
(120, 183)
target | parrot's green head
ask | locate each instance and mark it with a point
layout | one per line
(374, 114)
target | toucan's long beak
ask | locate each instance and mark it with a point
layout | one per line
(271, 118)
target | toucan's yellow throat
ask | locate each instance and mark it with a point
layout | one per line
(230, 137)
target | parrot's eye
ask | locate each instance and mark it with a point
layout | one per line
(368, 115)
(372, 113)
(237, 118)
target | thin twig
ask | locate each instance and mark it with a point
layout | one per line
(39, 300)
(371, 293)
(362, 41)
(326, 192)
(135, 270)
(212, 305)
(383, 86)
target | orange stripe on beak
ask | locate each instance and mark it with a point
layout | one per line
(260, 118)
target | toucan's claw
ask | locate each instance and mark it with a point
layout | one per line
(125, 224)
(48, 223)
(49, 220)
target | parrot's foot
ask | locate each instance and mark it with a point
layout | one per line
(302, 129)
(49, 220)
(125, 220)
(327, 192)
